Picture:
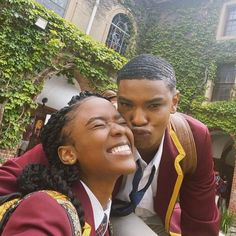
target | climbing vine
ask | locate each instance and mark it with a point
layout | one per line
(29, 55)
(184, 32)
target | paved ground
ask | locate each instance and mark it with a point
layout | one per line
(232, 230)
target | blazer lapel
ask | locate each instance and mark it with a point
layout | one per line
(170, 177)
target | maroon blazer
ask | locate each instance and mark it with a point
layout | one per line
(39, 214)
(199, 214)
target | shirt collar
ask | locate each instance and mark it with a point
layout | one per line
(98, 210)
(156, 160)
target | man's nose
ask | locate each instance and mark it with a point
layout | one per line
(138, 118)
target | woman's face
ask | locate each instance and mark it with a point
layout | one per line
(103, 143)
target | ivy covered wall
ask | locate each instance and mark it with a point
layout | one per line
(29, 55)
(184, 32)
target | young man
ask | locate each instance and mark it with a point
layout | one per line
(147, 96)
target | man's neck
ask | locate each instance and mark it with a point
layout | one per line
(148, 155)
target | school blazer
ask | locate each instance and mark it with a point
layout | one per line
(194, 192)
(41, 213)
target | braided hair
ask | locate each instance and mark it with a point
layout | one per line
(147, 66)
(58, 176)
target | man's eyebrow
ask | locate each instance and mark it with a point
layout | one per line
(159, 99)
(123, 99)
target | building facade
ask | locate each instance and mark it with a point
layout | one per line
(108, 22)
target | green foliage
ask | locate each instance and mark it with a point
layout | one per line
(2, 160)
(226, 220)
(29, 55)
(184, 32)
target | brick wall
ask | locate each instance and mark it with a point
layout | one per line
(232, 202)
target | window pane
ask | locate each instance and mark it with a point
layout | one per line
(58, 6)
(224, 82)
(119, 33)
(230, 24)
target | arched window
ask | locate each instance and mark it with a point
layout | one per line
(119, 33)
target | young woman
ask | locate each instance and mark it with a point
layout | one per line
(88, 146)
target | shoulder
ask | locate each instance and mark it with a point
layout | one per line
(44, 205)
(194, 123)
(38, 214)
(199, 130)
(34, 155)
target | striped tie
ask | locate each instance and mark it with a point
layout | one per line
(102, 227)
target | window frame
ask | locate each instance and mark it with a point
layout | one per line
(223, 82)
(115, 27)
(50, 2)
(224, 20)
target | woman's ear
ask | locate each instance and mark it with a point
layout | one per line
(67, 155)
(175, 101)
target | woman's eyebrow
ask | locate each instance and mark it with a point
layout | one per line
(92, 119)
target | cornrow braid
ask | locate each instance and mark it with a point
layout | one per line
(57, 176)
(147, 66)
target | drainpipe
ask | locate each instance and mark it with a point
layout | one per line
(92, 17)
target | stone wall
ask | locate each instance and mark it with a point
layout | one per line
(6, 154)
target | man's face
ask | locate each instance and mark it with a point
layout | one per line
(146, 105)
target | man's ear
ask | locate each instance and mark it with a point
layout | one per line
(175, 101)
(67, 155)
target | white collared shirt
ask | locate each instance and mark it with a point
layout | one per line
(146, 206)
(98, 211)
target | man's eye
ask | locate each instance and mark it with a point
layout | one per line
(124, 104)
(155, 105)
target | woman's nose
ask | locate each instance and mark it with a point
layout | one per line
(117, 129)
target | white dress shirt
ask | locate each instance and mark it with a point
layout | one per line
(98, 211)
(146, 206)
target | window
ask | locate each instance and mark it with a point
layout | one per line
(58, 6)
(119, 33)
(227, 23)
(225, 82)
(230, 24)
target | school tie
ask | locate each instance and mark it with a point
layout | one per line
(100, 231)
(135, 196)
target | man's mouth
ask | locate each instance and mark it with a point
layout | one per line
(140, 132)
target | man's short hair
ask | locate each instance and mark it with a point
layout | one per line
(148, 66)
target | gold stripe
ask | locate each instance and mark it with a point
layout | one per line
(56, 195)
(86, 229)
(179, 180)
(174, 234)
(6, 205)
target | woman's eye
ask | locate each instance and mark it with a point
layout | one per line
(122, 122)
(99, 125)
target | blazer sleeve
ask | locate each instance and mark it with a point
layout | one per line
(199, 213)
(38, 215)
(11, 169)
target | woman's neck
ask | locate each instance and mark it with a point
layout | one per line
(102, 189)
